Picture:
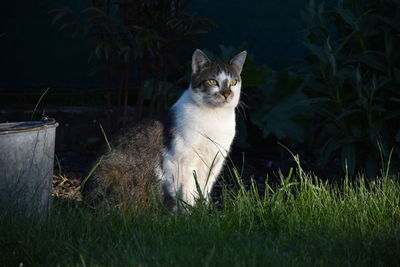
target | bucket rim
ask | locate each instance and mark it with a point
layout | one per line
(27, 126)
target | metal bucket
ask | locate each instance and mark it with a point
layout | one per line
(26, 165)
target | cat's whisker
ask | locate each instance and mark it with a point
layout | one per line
(241, 102)
(243, 106)
(241, 109)
(244, 93)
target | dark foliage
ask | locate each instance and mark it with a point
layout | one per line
(139, 37)
(342, 102)
(353, 77)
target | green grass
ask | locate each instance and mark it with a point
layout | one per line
(304, 222)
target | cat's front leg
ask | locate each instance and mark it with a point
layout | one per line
(178, 182)
(188, 193)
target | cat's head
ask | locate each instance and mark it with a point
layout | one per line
(216, 83)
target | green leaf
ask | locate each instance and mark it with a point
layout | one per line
(60, 13)
(284, 117)
(346, 113)
(371, 61)
(330, 55)
(328, 149)
(376, 108)
(343, 43)
(346, 15)
(319, 100)
(254, 75)
(72, 24)
(390, 21)
(317, 51)
(94, 11)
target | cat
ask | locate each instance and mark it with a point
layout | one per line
(181, 155)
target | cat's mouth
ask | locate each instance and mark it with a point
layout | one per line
(221, 99)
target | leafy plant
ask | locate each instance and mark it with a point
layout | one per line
(353, 70)
(343, 101)
(280, 108)
(145, 34)
(274, 100)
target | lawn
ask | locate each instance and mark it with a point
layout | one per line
(303, 222)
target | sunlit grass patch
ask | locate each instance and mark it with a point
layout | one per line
(304, 221)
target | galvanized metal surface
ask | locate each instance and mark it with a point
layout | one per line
(26, 165)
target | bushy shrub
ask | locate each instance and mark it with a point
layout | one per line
(353, 74)
(280, 108)
(342, 101)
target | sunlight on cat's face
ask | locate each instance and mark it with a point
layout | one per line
(216, 84)
(221, 89)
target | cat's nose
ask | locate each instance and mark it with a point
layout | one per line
(226, 93)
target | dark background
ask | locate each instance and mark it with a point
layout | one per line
(321, 79)
(35, 52)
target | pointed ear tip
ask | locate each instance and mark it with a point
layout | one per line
(242, 54)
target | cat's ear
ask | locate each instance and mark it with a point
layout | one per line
(238, 61)
(199, 59)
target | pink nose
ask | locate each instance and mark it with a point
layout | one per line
(226, 93)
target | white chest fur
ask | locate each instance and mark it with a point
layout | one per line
(203, 136)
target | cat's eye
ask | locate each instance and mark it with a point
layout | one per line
(233, 82)
(212, 82)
